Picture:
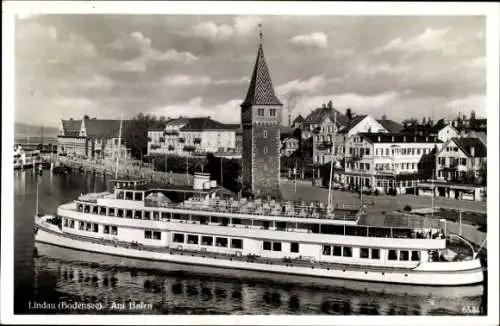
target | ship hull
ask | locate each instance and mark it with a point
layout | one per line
(424, 275)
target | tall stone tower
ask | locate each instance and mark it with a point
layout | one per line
(261, 119)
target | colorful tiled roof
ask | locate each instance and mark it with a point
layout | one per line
(71, 128)
(467, 143)
(261, 90)
(390, 125)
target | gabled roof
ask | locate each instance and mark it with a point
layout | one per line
(424, 129)
(467, 143)
(71, 128)
(204, 123)
(386, 137)
(318, 115)
(390, 125)
(298, 119)
(100, 128)
(261, 90)
(177, 121)
(357, 119)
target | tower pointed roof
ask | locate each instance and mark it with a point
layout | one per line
(261, 90)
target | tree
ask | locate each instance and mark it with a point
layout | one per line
(136, 133)
(348, 114)
(384, 117)
(423, 121)
(409, 122)
(472, 115)
(440, 124)
(86, 117)
(330, 105)
(231, 170)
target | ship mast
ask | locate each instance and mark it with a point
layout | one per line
(37, 196)
(330, 200)
(119, 147)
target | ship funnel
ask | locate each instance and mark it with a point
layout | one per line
(200, 179)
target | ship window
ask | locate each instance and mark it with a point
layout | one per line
(80, 208)
(87, 208)
(178, 237)
(207, 241)
(156, 216)
(203, 220)
(237, 243)
(138, 215)
(138, 196)
(294, 247)
(327, 250)
(106, 229)
(337, 250)
(72, 224)
(81, 226)
(114, 230)
(393, 255)
(111, 212)
(236, 221)
(267, 245)
(147, 215)
(102, 210)
(265, 224)
(119, 213)
(176, 216)
(147, 235)
(276, 246)
(281, 226)
(65, 222)
(157, 235)
(375, 253)
(95, 227)
(193, 239)
(165, 215)
(221, 242)
(88, 227)
(129, 213)
(94, 209)
(128, 195)
(214, 219)
(415, 255)
(347, 252)
(364, 253)
(404, 255)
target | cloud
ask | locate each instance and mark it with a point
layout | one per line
(241, 26)
(382, 68)
(147, 54)
(300, 87)
(429, 40)
(188, 80)
(315, 39)
(476, 102)
(195, 108)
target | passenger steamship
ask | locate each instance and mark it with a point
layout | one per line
(205, 225)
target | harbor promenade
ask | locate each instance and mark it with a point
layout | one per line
(130, 169)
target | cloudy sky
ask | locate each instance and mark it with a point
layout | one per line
(104, 65)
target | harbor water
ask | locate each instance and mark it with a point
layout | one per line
(118, 285)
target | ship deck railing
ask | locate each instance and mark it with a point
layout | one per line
(263, 208)
(237, 256)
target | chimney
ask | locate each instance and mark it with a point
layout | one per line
(472, 151)
(289, 120)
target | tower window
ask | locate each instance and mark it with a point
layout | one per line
(272, 112)
(265, 133)
(265, 150)
(260, 112)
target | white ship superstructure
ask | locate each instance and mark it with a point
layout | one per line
(206, 225)
(24, 158)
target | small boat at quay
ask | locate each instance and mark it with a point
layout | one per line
(206, 225)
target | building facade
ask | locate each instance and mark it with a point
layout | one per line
(261, 113)
(192, 136)
(386, 160)
(460, 156)
(93, 138)
(289, 146)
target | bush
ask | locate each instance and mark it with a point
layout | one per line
(376, 192)
(407, 208)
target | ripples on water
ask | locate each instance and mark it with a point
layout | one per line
(66, 275)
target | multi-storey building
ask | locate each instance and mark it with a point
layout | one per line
(261, 113)
(443, 132)
(189, 136)
(458, 156)
(94, 138)
(289, 145)
(387, 160)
